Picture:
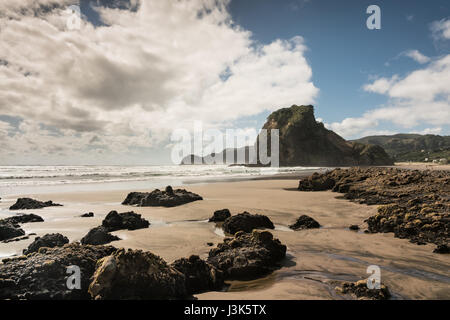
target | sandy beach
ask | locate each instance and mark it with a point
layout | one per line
(316, 258)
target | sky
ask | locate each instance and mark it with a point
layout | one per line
(111, 87)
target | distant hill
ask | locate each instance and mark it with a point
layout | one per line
(306, 142)
(412, 147)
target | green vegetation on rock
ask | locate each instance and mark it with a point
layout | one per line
(412, 147)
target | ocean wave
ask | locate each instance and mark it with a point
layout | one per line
(51, 175)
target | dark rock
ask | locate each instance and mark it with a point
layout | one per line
(316, 182)
(305, 142)
(354, 227)
(361, 291)
(126, 220)
(43, 275)
(246, 222)
(200, 275)
(9, 230)
(97, 236)
(87, 215)
(304, 222)
(247, 255)
(135, 274)
(442, 248)
(23, 218)
(49, 240)
(209, 244)
(28, 203)
(168, 198)
(220, 215)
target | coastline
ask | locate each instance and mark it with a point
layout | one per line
(316, 257)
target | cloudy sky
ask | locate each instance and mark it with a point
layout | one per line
(111, 89)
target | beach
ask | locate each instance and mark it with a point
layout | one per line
(317, 259)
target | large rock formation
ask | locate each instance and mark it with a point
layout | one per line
(306, 142)
(302, 142)
(156, 198)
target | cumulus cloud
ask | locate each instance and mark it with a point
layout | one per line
(421, 97)
(139, 74)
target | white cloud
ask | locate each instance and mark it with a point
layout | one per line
(421, 97)
(417, 56)
(436, 130)
(441, 29)
(142, 74)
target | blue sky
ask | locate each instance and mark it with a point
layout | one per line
(343, 53)
(113, 87)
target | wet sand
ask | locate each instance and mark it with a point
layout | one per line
(316, 259)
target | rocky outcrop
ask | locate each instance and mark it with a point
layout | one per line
(304, 142)
(23, 218)
(9, 231)
(43, 274)
(200, 276)
(10, 228)
(127, 220)
(246, 222)
(134, 274)
(87, 215)
(114, 221)
(304, 222)
(220, 215)
(98, 235)
(156, 198)
(360, 290)
(50, 240)
(247, 255)
(413, 204)
(28, 203)
(316, 182)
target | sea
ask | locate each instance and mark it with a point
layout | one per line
(17, 180)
